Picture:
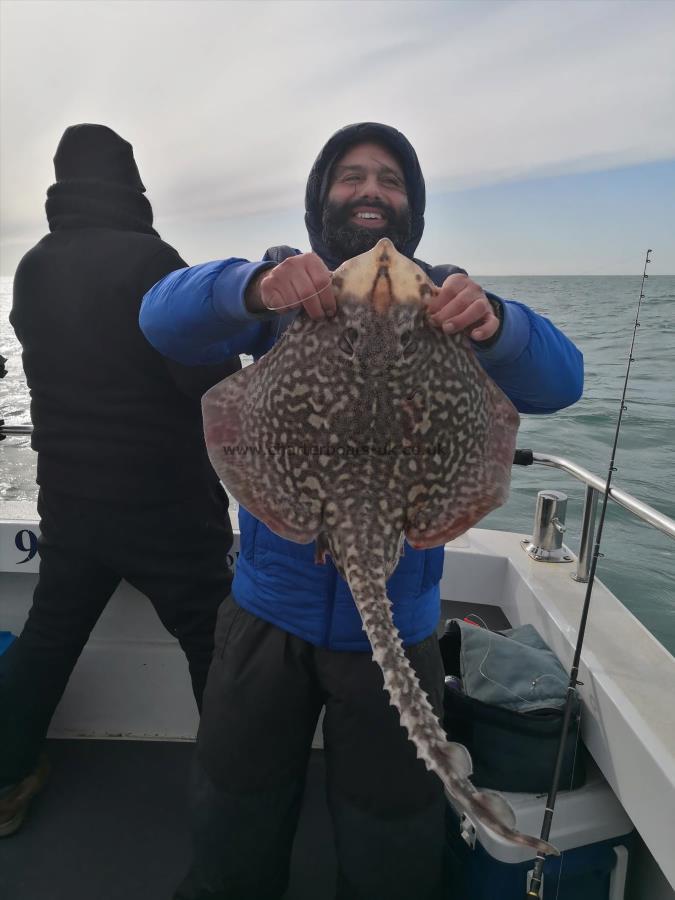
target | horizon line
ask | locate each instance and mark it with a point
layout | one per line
(533, 275)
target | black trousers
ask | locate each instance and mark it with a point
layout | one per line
(174, 553)
(263, 697)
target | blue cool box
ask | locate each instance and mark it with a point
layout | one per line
(590, 827)
(6, 638)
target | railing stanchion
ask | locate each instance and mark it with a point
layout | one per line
(587, 534)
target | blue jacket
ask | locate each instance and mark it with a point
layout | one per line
(198, 316)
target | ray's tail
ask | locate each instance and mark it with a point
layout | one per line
(450, 761)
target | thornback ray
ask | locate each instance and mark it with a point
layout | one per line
(359, 430)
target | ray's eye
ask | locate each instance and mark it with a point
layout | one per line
(347, 341)
(408, 345)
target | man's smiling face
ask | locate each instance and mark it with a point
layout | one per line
(367, 200)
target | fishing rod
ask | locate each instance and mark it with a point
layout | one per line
(537, 875)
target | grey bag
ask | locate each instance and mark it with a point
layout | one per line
(509, 712)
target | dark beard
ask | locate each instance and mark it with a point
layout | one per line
(344, 239)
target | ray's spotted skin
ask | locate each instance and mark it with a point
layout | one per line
(358, 430)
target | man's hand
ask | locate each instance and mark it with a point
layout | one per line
(297, 280)
(461, 305)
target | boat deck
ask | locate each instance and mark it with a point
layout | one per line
(112, 824)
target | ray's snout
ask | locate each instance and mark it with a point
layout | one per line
(382, 278)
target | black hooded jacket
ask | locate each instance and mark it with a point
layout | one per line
(113, 419)
(319, 182)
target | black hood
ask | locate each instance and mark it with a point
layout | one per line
(317, 183)
(96, 153)
(97, 183)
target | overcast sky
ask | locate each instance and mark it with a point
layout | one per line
(545, 130)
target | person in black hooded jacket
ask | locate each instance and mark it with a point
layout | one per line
(289, 640)
(125, 485)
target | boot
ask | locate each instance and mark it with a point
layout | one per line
(15, 800)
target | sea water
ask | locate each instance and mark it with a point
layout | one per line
(597, 313)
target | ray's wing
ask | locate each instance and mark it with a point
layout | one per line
(471, 476)
(243, 444)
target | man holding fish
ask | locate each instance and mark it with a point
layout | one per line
(289, 639)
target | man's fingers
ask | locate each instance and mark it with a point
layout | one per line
(464, 301)
(314, 309)
(276, 292)
(302, 279)
(327, 297)
(475, 314)
(323, 287)
(485, 330)
(286, 288)
(272, 298)
(306, 292)
(451, 289)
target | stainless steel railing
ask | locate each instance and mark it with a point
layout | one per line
(595, 487)
(15, 429)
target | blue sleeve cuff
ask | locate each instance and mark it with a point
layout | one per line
(185, 319)
(229, 291)
(514, 337)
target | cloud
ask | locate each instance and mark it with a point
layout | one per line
(228, 103)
